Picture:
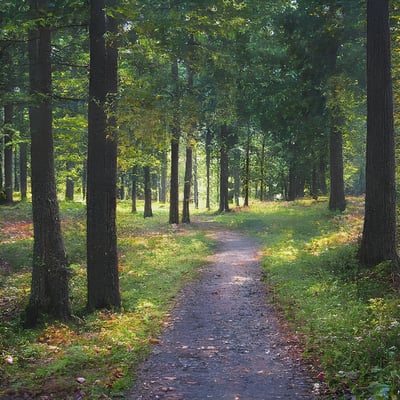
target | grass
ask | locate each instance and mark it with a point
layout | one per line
(347, 316)
(102, 349)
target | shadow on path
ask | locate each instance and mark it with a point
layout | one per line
(223, 340)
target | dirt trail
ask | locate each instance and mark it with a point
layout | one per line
(224, 341)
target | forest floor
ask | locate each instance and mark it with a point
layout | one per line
(224, 339)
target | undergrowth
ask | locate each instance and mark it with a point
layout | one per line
(348, 316)
(94, 355)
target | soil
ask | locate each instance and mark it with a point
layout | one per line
(224, 339)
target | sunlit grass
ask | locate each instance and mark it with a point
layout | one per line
(347, 315)
(103, 348)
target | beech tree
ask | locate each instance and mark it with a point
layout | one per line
(379, 233)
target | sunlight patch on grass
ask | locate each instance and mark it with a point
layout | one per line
(103, 348)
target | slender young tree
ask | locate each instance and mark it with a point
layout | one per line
(49, 287)
(224, 171)
(379, 234)
(174, 189)
(187, 185)
(102, 260)
(8, 152)
(148, 211)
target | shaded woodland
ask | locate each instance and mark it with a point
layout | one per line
(192, 105)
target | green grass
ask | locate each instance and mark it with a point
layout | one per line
(104, 348)
(347, 316)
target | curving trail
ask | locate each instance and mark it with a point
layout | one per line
(224, 340)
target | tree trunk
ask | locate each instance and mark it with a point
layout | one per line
(69, 184)
(322, 177)
(262, 170)
(163, 178)
(174, 191)
(224, 171)
(102, 260)
(236, 178)
(187, 185)
(16, 171)
(121, 189)
(291, 192)
(148, 212)
(134, 190)
(8, 153)
(23, 169)
(208, 166)
(195, 181)
(247, 170)
(379, 234)
(337, 201)
(49, 287)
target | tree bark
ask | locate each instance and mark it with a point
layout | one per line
(148, 212)
(195, 181)
(187, 185)
(379, 233)
(262, 170)
(69, 184)
(8, 153)
(134, 190)
(224, 171)
(49, 287)
(163, 178)
(174, 190)
(23, 170)
(208, 166)
(102, 260)
(337, 201)
(247, 170)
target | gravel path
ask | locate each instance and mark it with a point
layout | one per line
(224, 339)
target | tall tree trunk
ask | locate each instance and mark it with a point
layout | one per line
(247, 170)
(322, 176)
(134, 190)
(174, 190)
(23, 169)
(291, 192)
(163, 178)
(379, 234)
(236, 178)
(187, 185)
(8, 153)
(102, 260)
(337, 201)
(84, 180)
(208, 166)
(148, 212)
(16, 171)
(49, 287)
(195, 181)
(69, 184)
(121, 189)
(224, 171)
(262, 170)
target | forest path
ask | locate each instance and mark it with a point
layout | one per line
(224, 340)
